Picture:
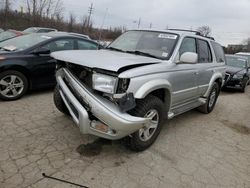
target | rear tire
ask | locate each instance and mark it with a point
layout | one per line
(58, 101)
(13, 85)
(211, 100)
(151, 107)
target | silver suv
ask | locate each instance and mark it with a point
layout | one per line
(142, 78)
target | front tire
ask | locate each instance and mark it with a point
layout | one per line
(13, 85)
(153, 108)
(211, 100)
(58, 101)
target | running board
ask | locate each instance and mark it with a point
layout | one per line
(185, 107)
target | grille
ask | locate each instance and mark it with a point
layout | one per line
(82, 73)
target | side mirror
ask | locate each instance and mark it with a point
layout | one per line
(188, 58)
(41, 51)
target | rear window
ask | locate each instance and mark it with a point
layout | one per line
(219, 52)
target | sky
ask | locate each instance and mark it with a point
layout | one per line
(228, 19)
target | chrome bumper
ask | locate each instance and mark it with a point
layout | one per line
(105, 111)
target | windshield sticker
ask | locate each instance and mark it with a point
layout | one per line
(164, 54)
(46, 37)
(10, 48)
(167, 36)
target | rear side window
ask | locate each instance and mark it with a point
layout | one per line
(204, 52)
(61, 44)
(85, 45)
(219, 52)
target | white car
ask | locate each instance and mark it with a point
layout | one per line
(245, 54)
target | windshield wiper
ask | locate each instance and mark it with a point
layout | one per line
(136, 52)
(115, 49)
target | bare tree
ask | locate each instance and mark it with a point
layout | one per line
(247, 43)
(72, 21)
(205, 30)
(44, 9)
(84, 23)
(6, 9)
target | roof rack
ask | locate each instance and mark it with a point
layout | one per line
(186, 30)
(196, 32)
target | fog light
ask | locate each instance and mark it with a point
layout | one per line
(102, 127)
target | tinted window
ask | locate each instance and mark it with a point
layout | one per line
(188, 45)
(204, 52)
(85, 45)
(219, 52)
(59, 45)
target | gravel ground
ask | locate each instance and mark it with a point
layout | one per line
(193, 150)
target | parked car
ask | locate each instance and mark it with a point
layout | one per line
(39, 30)
(245, 54)
(25, 62)
(9, 34)
(145, 76)
(237, 72)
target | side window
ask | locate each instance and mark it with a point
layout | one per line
(204, 52)
(61, 44)
(85, 45)
(188, 45)
(219, 52)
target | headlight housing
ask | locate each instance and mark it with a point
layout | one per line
(104, 83)
(238, 76)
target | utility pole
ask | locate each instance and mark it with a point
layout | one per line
(90, 11)
(139, 23)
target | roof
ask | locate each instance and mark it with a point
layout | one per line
(56, 34)
(41, 28)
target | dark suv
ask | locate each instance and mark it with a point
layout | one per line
(237, 72)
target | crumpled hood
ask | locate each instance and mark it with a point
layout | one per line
(103, 59)
(233, 70)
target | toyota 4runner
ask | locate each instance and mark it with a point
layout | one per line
(142, 78)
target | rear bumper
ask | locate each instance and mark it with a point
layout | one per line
(83, 104)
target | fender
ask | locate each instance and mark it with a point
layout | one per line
(215, 76)
(151, 86)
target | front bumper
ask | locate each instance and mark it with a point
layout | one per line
(91, 105)
(235, 82)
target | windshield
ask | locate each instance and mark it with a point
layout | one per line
(23, 42)
(236, 62)
(6, 35)
(157, 44)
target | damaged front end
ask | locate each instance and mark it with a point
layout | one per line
(98, 108)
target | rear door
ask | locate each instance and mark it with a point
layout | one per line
(44, 66)
(205, 66)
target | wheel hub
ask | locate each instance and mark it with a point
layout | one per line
(148, 131)
(11, 86)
